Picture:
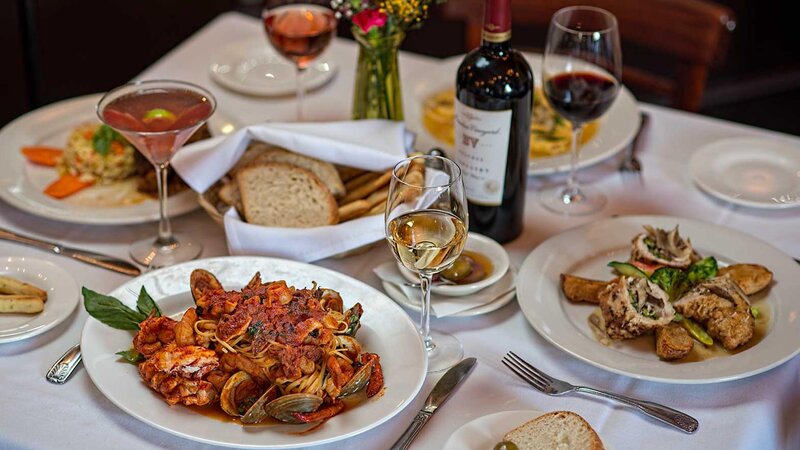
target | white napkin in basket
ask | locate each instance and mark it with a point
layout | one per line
(301, 244)
(365, 144)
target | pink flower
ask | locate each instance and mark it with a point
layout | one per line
(368, 18)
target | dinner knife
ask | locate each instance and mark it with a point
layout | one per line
(441, 392)
(97, 259)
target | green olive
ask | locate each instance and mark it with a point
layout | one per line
(460, 269)
(506, 445)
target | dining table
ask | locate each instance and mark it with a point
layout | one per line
(757, 412)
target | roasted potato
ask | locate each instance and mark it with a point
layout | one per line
(750, 277)
(16, 304)
(13, 286)
(673, 342)
(584, 290)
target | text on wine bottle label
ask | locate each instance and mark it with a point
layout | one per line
(482, 152)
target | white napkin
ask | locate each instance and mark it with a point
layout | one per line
(364, 144)
(301, 244)
(442, 305)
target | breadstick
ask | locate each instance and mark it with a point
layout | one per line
(360, 180)
(25, 304)
(348, 173)
(353, 210)
(369, 188)
(10, 285)
(378, 197)
(380, 208)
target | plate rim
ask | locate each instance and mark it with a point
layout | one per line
(451, 445)
(705, 151)
(625, 96)
(185, 204)
(255, 91)
(64, 277)
(347, 278)
(784, 261)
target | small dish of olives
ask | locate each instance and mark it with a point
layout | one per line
(482, 263)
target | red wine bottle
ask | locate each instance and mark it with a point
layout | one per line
(494, 97)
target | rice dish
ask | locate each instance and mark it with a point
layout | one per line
(81, 159)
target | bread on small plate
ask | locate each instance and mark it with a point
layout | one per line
(558, 429)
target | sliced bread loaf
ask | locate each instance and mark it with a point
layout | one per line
(325, 171)
(283, 195)
(559, 429)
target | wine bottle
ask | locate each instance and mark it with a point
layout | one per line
(494, 97)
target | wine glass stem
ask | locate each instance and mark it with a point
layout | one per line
(573, 188)
(164, 227)
(425, 311)
(301, 91)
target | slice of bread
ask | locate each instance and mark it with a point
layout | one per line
(558, 429)
(325, 171)
(283, 195)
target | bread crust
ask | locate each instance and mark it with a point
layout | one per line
(332, 206)
(533, 426)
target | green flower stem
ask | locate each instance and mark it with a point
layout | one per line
(377, 93)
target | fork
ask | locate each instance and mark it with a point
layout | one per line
(630, 163)
(553, 386)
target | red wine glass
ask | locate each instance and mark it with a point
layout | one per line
(158, 117)
(299, 31)
(581, 72)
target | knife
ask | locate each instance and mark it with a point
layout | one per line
(441, 392)
(104, 261)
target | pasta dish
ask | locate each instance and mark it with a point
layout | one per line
(267, 350)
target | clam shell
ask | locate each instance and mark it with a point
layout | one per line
(256, 413)
(227, 398)
(282, 407)
(201, 281)
(358, 381)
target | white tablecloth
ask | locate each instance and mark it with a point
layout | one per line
(761, 412)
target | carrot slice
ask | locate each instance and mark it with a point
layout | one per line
(66, 186)
(42, 155)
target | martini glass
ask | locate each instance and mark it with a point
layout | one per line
(157, 117)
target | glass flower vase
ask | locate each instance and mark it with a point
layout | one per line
(377, 93)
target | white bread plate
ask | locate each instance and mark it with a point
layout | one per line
(477, 243)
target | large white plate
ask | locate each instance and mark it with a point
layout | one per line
(22, 183)
(386, 330)
(62, 297)
(585, 251)
(759, 173)
(252, 67)
(617, 127)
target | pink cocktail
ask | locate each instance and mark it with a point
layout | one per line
(157, 117)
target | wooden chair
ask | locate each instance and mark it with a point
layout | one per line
(692, 33)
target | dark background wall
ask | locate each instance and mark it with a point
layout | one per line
(57, 49)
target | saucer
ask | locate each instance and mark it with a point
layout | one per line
(754, 172)
(477, 243)
(252, 67)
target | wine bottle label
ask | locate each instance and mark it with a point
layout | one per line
(482, 152)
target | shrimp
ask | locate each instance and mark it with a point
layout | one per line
(154, 333)
(184, 330)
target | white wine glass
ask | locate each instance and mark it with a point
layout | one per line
(581, 71)
(426, 228)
